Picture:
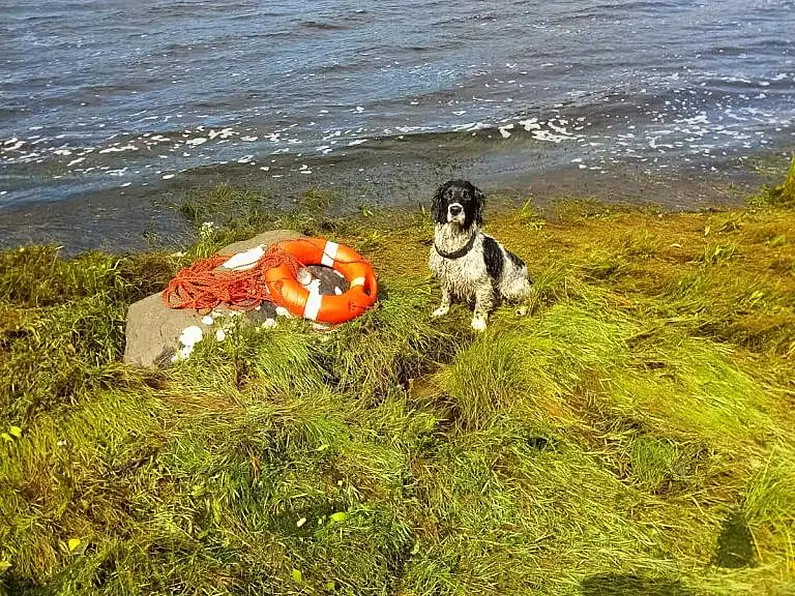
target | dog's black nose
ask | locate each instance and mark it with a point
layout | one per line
(455, 209)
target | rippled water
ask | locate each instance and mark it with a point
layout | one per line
(112, 94)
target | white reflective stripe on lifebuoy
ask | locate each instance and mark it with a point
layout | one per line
(329, 253)
(358, 281)
(312, 306)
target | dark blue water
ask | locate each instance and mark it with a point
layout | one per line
(112, 94)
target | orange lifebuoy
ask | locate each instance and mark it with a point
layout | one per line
(287, 292)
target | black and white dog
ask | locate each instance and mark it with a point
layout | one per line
(470, 265)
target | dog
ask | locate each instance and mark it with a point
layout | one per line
(470, 265)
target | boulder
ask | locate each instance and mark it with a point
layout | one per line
(154, 329)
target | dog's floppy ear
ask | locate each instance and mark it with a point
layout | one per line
(437, 210)
(480, 204)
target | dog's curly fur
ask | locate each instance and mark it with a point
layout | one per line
(470, 265)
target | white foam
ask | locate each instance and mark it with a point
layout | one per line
(545, 135)
(471, 126)
(530, 124)
(558, 129)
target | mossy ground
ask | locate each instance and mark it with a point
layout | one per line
(635, 435)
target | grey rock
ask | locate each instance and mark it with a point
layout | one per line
(153, 329)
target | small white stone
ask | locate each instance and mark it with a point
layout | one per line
(220, 335)
(190, 336)
(245, 260)
(208, 320)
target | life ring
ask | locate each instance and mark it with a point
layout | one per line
(286, 291)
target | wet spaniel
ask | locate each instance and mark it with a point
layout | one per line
(471, 266)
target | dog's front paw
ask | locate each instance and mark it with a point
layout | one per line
(479, 323)
(441, 311)
(521, 311)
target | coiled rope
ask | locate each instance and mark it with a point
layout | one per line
(204, 285)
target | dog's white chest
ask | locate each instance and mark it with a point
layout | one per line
(462, 275)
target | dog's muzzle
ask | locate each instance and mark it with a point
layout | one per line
(455, 212)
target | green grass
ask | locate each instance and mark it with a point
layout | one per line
(635, 435)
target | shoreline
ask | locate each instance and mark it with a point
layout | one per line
(141, 218)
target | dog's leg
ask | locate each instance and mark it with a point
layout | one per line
(525, 297)
(484, 302)
(444, 307)
(519, 292)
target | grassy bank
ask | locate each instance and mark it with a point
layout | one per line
(634, 436)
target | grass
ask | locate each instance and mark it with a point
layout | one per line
(635, 435)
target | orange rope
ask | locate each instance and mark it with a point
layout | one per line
(203, 286)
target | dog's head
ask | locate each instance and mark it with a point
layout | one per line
(458, 202)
